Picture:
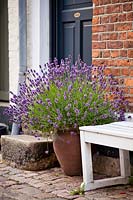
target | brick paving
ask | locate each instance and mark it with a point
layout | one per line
(16, 184)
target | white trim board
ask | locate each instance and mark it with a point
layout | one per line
(40, 33)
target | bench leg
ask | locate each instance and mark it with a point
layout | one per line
(124, 163)
(86, 162)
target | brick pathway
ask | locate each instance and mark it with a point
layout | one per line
(16, 184)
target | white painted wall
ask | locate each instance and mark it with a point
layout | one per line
(37, 37)
(13, 28)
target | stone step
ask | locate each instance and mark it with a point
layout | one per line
(28, 152)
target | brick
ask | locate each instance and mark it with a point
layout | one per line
(123, 26)
(113, 8)
(131, 62)
(128, 44)
(110, 27)
(96, 2)
(127, 7)
(122, 17)
(104, 2)
(113, 18)
(115, 53)
(108, 71)
(112, 62)
(96, 20)
(117, 8)
(130, 35)
(123, 36)
(108, 10)
(123, 53)
(98, 45)
(95, 54)
(130, 53)
(131, 71)
(105, 36)
(98, 28)
(129, 82)
(129, 16)
(95, 37)
(106, 54)
(114, 44)
(98, 11)
(125, 71)
(100, 62)
(131, 90)
(113, 36)
(116, 71)
(104, 19)
(123, 63)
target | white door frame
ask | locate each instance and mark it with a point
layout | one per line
(40, 33)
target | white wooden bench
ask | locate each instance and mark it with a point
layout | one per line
(118, 135)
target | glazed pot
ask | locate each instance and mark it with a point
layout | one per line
(66, 145)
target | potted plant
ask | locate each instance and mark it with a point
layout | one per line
(63, 97)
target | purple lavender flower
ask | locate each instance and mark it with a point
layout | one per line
(68, 114)
(77, 111)
(69, 88)
(65, 95)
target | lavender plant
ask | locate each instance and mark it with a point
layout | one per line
(66, 96)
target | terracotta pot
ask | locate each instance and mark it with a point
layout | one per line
(67, 149)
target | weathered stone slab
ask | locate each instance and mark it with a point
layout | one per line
(28, 152)
(106, 165)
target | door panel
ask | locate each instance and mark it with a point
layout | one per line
(4, 65)
(70, 4)
(86, 34)
(73, 20)
(69, 39)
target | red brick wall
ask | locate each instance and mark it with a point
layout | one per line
(112, 40)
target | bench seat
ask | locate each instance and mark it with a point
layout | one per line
(118, 135)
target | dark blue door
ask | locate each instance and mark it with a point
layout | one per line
(73, 29)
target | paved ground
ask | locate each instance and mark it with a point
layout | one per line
(16, 184)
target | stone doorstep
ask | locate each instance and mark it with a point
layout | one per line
(28, 152)
(27, 139)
